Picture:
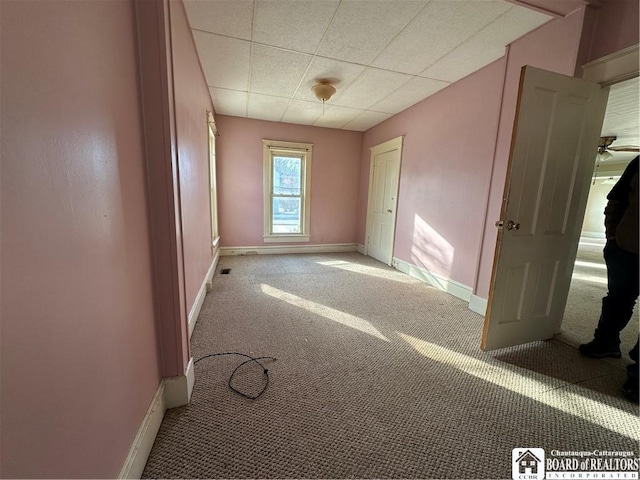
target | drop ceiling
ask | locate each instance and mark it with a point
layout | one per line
(261, 57)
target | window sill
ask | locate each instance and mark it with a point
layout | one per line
(286, 238)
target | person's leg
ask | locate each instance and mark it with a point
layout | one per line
(631, 386)
(617, 305)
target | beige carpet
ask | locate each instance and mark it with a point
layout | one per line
(378, 376)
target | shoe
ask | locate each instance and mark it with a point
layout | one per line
(595, 349)
(630, 390)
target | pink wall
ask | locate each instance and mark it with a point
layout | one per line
(335, 177)
(455, 157)
(617, 27)
(553, 47)
(78, 349)
(192, 101)
(445, 173)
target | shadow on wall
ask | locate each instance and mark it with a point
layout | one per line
(430, 250)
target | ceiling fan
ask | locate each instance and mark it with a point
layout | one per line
(605, 148)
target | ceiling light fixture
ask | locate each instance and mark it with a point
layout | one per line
(323, 90)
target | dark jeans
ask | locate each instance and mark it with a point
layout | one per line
(622, 283)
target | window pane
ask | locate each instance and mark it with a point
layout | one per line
(286, 175)
(286, 215)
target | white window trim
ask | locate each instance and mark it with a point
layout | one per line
(275, 146)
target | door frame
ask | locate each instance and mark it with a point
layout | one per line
(614, 68)
(396, 143)
(212, 132)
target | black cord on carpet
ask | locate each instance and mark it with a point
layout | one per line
(251, 359)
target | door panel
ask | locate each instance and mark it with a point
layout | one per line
(553, 150)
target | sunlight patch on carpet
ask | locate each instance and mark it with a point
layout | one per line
(548, 390)
(324, 311)
(599, 266)
(367, 270)
(589, 278)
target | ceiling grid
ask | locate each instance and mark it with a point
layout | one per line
(261, 57)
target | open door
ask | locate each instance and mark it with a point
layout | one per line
(553, 149)
(383, 199)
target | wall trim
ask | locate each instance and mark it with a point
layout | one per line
(613, 68)
(283, 249)
(441, 283)
(172, 392)
(361, 249)
(478, 305)
(204, 288)
(143, 442)
(177, 390)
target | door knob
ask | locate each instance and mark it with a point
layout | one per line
(389, 211)
(509, 224)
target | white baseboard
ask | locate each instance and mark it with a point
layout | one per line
(599, 235)
(204, 288)
(446, 285)
(177, 390)
(143, 441)
(282, 249)
(172, 392)
(361, 249)
(478, 305)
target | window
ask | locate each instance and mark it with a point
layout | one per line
(287, 180)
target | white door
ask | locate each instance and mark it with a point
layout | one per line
(383, 199)
(553, 150)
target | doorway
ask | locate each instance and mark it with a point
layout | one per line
(589, 279)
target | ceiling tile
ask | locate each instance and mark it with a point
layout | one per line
(261, 57)
(226, 17)
(486, 46)
(440, 27)
(371, 87)
(229, 102)
(293, 24)
(301, 112)
(366, 120)
(265, 107)
(362, 28)
(412, 92)
(225, 60)
(340, 74)
(336, 117)
(277, 72)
